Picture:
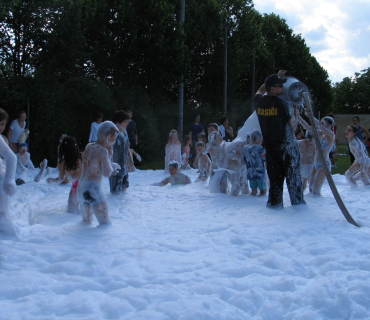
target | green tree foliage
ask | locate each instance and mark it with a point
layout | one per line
(71, 59)
(352, 95)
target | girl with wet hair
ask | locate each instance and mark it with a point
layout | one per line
(173, 150)
(360, 169)
(326, 136)
(69, 166)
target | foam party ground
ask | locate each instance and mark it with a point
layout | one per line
(181, 252)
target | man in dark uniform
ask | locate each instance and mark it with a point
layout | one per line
(278, 120)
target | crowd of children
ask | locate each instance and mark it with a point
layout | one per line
(232, 167)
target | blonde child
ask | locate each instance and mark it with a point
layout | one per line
(362, 161)
(186, 152)
(203, 162)
(175, 177)
(173, 150)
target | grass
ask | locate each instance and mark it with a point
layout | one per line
(342, 162)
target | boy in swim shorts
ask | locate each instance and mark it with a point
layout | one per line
(96, 164)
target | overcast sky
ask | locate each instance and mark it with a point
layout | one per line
(337, 32)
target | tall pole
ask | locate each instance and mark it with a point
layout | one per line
(29, 119)
(253, 77)
(180, 88)
(225, 71)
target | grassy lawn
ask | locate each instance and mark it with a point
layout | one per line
(342, 162)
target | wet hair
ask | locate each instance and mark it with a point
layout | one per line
(213, 125)
(22, 145)
(170, 136)
(174, 164)
(308, 135)
(186, 139)
(223, 119)
(330, 121)
(120, 116)
(3, 115)
(68, 151)
(354, 128)
(202, 135)
(256, 135)
(99, 115)
(357, 117)
(106, 128)
(200, 144)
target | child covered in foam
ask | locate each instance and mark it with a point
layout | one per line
(202, 162)
(96, 164)
(360, 168)
(24, 163)
(175, 177)
(8, 163)
(255, 158)
(307, 150)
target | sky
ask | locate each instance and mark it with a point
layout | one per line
(337, 32)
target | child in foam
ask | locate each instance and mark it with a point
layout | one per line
(16, 130)
(24, 163)
(175, 177)
(255, 158)
(185, 153)
(70, 166)
(360, 168)
(203, 162)
(3, 121)
(96, 164)
(173, 150)
(326, 135)
(307, 150)
(119, 182)
(7, 181)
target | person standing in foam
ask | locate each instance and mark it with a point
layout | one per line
(362, 161)
(7, 186)
(70, 167)
(326, 135)
(96, 164)
(307, 150)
